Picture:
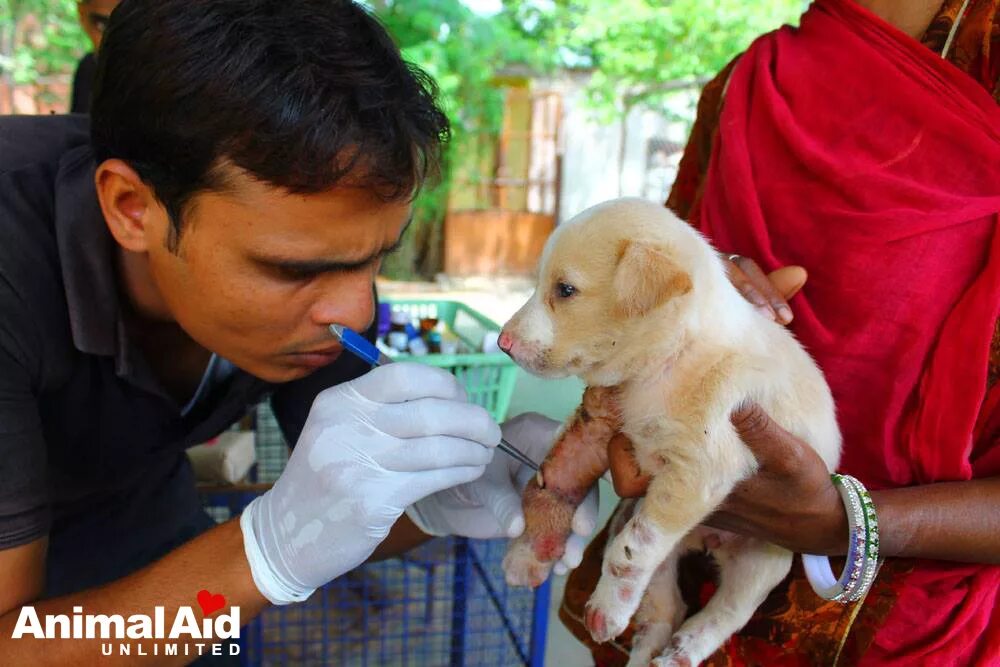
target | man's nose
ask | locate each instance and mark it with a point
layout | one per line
(348, 302)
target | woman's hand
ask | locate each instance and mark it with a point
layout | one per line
(768, 292)
(791, 500)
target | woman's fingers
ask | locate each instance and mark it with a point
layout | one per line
(768, 293)
(788, 280)
(625, 473)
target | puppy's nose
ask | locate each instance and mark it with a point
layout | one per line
(506, 341)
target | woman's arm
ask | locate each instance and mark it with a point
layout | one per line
(948, 521)
(791, 502)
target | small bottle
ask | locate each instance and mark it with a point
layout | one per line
(434, 341)
(449, 343)
(418, 347)
(384, 318)
(427, 324)
(398, 338)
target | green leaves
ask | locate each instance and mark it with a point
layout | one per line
(39, 38)
(635, 47)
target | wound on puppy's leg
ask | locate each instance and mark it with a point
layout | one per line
(621, 571)
(548, 521)
(642, 531)
(577, 459)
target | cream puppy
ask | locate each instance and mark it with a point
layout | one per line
(630, 297)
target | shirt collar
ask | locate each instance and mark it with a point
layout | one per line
(86, 253)
(87, 258)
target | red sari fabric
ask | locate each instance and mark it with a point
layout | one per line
(882, 178)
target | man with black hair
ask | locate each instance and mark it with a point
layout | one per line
(178, 257)
(93, 16)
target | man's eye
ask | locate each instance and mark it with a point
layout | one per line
(565, 290)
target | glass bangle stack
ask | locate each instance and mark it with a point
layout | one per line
(862, 549)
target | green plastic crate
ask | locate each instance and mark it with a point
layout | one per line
(488, 377)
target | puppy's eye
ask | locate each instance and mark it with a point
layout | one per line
(565, 290)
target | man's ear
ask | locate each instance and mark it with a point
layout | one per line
(125, 202)
(645, 278)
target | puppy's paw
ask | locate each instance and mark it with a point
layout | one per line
(597, 624)
(672, 659)
(605, 622)
(651, 639)
(677, 655)
(522, 567)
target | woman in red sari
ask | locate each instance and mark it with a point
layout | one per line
(865, 146)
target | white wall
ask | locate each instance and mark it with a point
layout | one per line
(592, 166)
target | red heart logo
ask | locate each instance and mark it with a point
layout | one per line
(210, 603)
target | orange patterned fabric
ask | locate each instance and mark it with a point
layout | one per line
(794, 626)
(975, 47)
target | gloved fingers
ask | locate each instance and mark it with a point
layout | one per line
(434, 453)
(585, 516)
(573, 555)
(437, 416)
(406, 381)
(523, 475)
(418, 485)
(503, 502)
(480, 527)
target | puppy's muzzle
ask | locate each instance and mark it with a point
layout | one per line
(525, 353)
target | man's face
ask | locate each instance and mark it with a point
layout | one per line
(260, 274)
(94, 16)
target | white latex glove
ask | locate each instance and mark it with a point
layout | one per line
(490, 507)
(369, 449)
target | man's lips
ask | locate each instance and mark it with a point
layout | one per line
(316, 358)
(333, 349)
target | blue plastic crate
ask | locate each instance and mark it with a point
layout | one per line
(443, 603)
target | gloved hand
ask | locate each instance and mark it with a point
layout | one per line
(369, 448)
(490, 507)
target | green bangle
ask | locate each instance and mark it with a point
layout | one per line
(871, 551)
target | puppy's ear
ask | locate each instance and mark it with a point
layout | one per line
(645, 278)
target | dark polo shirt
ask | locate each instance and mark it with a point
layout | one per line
(91, 445)
(83, 83)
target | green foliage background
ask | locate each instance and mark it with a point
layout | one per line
(28, 55)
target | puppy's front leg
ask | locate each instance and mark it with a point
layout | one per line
(661, 612)
(576, 461)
